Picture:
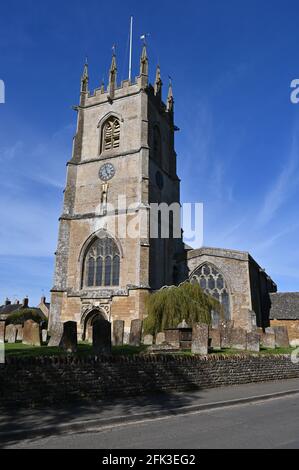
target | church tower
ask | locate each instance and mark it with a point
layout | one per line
(123, 160)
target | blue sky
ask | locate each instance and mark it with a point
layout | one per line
(232, 63)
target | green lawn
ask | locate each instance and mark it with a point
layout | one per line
(85, 349)
(234, 352)
(262, 351)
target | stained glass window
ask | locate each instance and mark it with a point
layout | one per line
(213, 283)
(102, 263)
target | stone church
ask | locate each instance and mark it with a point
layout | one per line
(124, 145)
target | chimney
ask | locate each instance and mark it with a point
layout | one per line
(43, 300)
(25, 302)
(7, 302)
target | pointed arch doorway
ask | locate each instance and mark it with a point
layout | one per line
(88, 321)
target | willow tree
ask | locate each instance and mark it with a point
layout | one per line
(169, 306)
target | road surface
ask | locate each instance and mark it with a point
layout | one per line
(271, 424)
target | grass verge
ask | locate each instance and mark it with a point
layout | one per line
(85, 349)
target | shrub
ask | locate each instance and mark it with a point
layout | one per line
(18, 317)
(169, 306)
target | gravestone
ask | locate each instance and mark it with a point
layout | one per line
(225, 331)
(200, 338)
(69, 341)
(160, 338)
(126, 337)
(172, 336)
(136, 332)
(270, 329)
(118, 332)
(162, 348)
(247, 319)
(253, 320)
(31, 333)
(55, 334)
(19, 329)
(44, 336)
(268, 340)
(148, 340)
(11, 334)
(253, 342)
(2, 332)
(101, 336)
(215, 317)
(215, 339)
(281, 337)
(238, 339)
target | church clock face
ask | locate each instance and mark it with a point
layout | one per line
(106, 172)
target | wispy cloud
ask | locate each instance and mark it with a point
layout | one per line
(283, 188)
(9, 153)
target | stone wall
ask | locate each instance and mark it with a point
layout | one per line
(30, 381)
(292, 326)
(248, 284)
(234, 265)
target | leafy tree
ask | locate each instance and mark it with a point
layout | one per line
(169, 306)
(18, 317)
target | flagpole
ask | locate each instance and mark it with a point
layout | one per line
(131, 45)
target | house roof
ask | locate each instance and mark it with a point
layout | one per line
(10, 308)
(284, 306)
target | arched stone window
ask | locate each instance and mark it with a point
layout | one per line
(102, 263)
(213, 283)
(111, 134)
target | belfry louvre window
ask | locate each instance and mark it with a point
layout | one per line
(102, 263)
(213, 283)
(111, 134)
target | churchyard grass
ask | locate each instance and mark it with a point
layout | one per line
(233, 352)
(85, 349)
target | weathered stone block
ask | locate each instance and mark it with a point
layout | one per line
(172, 336)
(126, 337)
(31, 333)
(19, 329)
(162, 348)
(11, 334)
(69, 341)
(281, 337)
(238, 339)
(160, 338)
(247, 319)
(215, 338)
(253, 342)
(44, 336)
(200, 338)
(118, 332)
(56, 333)
(267, 340)
(136, 332)
(2, 332)
(270, 330)
(148, 340)
(101, 336)
(225, 331)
